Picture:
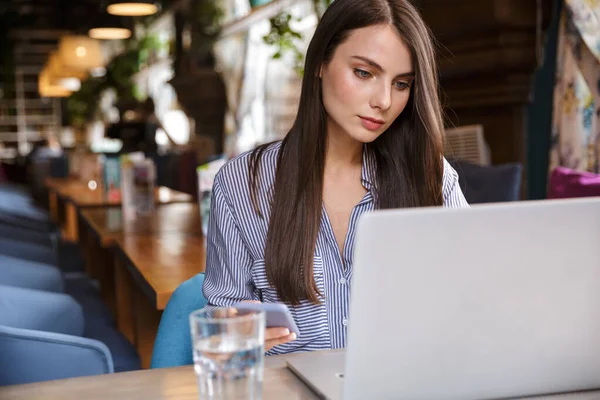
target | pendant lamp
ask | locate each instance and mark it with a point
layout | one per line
(109, 27)
(132, 8)
(58, 70)
(81, 53)
(46, 89)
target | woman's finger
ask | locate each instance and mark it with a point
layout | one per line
(275, 333)
(269, 344)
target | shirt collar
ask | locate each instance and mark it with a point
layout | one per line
(368, 169)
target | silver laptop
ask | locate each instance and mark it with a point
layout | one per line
(495, 301)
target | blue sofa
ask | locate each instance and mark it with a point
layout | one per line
(40, 338)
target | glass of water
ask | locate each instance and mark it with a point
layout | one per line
(228, 347)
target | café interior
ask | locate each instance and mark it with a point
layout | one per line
(115, 117)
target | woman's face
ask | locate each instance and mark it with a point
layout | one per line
(367, 83)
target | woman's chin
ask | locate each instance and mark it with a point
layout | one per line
(365, 135)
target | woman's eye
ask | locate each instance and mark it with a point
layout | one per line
(361, 73)
(402, 85)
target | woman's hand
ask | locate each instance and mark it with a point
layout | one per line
(276, 335)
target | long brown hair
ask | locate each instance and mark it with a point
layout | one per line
(408, 156)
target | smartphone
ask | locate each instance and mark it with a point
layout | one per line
(277, 315)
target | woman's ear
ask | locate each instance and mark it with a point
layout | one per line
(321, 71)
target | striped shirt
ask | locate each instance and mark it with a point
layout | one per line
(235, 266)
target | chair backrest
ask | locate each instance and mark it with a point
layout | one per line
(34, 356)
(173, 344)
(489, 184)
(466, 143)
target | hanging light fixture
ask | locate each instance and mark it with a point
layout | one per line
(80, 53)
(132, 8)
(109, 27)
(64, 76)
(71, 84)
(57, 70)
(109, 33)
(47, 89)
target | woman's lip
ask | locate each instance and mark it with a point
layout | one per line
(371, 124)
(377, 121)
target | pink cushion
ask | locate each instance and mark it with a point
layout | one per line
(567, 183)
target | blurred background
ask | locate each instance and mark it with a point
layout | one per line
(97, 76)
(115, 116)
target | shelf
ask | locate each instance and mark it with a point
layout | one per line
(14, 136)
(28, 119)
(31, 103)
(30, 69)
(257, 14)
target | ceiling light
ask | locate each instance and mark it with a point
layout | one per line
(46, 89)
(57, 70)
(109, 33)
(109, 27)
(132, 8)
(80, 52)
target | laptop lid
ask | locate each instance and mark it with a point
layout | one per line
(322, 371)
(496, 301)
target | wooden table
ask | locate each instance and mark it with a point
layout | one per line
(161, 263)
(102, 227)
(56, 186)
(78, 196)
(165, 383)
(82, 196)
(179, 384)
(107, 223)
(148, 269)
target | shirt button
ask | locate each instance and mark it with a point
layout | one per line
(345, 322)
(343, 281)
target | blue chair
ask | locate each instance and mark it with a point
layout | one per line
(18, 208)
(489, 184)
(40, 338)
(26, 235)
(28, 251)
(34, 356)
(22, 205)
(43, 311)
(99, 324)
(173, 344)
(32, 275)
(15, 189)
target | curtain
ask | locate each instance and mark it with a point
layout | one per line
(575, 140)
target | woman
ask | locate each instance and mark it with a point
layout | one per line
(368, 135)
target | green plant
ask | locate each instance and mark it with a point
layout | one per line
(120, 71)
(82, 106)
(285, 39)
(148, 46)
